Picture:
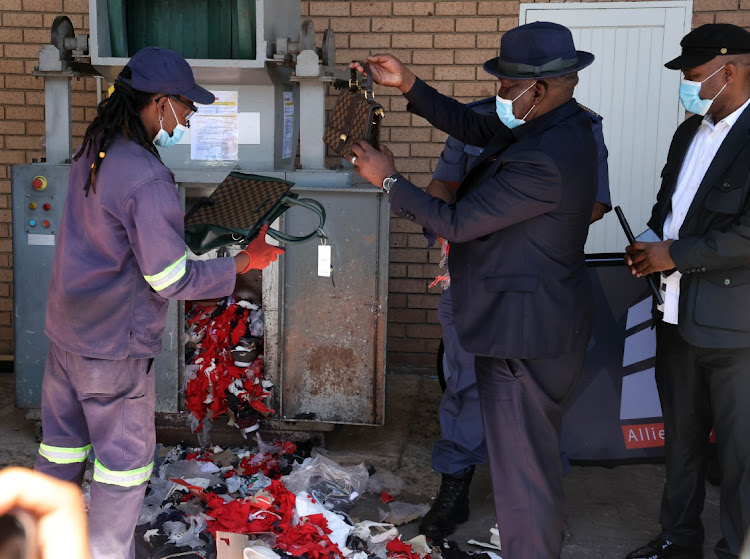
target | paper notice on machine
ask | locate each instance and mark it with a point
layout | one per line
(214, 129)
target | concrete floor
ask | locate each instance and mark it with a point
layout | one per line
(608, 511)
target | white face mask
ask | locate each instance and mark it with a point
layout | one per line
(164, 140)
(504, 109)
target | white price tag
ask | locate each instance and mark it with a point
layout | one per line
(324, 260)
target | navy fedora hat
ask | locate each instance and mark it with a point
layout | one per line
(537, 50)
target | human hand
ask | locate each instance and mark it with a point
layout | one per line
(371, 164)
(647, 258)
(258, 253)
(57, 507)
(388, 70)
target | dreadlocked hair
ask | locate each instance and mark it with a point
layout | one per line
(119, 113)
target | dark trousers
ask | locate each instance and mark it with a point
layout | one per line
(522, 410)
(461, 443)
(700, 388)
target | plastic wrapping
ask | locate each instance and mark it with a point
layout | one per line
(190, 470)
(399, 513)
(335, 486)
(149, 513)
(204, 435)
(183, 535)
(159, 490)
(257, 324)
(385, 481)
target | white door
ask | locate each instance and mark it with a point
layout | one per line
(628, 85)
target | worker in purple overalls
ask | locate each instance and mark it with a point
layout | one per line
(120, 256)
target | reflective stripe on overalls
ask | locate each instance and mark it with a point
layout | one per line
(64, 455)
(127, 478)
(168, 275)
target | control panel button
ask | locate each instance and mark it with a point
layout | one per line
(32, 206)
(32, 223)
(46, 207)
(45, 223)
(39, 182)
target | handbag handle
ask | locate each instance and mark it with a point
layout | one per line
(309, 204)
(354, 81)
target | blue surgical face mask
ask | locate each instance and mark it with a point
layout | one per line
(690, 95)
(504, 109)
(164, 140)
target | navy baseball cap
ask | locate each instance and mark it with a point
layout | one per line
(162, 70)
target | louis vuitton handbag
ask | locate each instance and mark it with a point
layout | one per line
(356, 116)
(239, 207)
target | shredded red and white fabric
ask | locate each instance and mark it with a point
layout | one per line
(213, 378)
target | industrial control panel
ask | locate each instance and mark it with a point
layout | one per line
(38, 194)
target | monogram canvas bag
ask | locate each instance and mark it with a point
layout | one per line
(239, 207)
(356, 116)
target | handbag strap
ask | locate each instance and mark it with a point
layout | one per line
(354, 81)
(309, 204)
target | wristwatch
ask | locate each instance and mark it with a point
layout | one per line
(389, 181)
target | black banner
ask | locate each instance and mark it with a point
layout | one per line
(614, 414)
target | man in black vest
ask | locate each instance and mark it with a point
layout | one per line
(521, 297)
(702, 215)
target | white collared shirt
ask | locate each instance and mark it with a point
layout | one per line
(703, 148)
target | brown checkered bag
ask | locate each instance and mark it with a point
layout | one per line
(356, 116)
(239, 207)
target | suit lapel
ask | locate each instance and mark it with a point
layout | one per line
(731, 145)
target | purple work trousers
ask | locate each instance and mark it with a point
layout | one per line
(108, 404)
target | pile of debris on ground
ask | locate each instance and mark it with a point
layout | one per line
(275, 501)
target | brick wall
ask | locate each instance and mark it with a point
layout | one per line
(24, 27)
(445, 42)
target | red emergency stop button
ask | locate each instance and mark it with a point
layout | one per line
(45, 223)
(47, 207)
(39, 182)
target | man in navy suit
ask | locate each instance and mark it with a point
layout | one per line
(461, 445)
(521, 298)
(702, 215)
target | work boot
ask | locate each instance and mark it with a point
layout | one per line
(662, 548)
(451, 507)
